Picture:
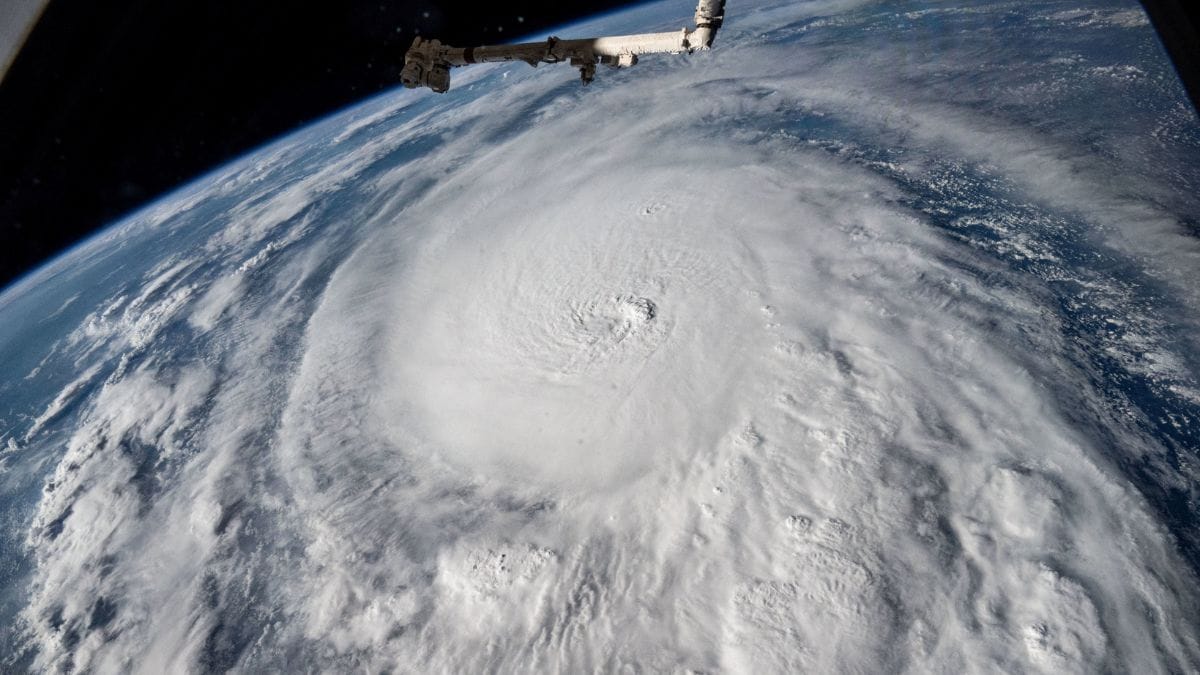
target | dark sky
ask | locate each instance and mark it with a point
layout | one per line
(113, 102)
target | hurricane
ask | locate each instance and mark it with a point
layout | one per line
(865, 342)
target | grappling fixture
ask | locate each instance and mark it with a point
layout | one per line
(428, 62)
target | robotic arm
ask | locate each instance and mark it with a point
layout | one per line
(428, 62)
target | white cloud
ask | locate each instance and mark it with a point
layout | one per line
(705, 394)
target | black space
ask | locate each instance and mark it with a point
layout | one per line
(112, 103)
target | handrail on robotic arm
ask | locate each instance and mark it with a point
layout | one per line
(428, 62)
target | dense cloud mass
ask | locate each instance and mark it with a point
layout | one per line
(864, 343)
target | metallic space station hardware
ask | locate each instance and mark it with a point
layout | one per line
(428, 62)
